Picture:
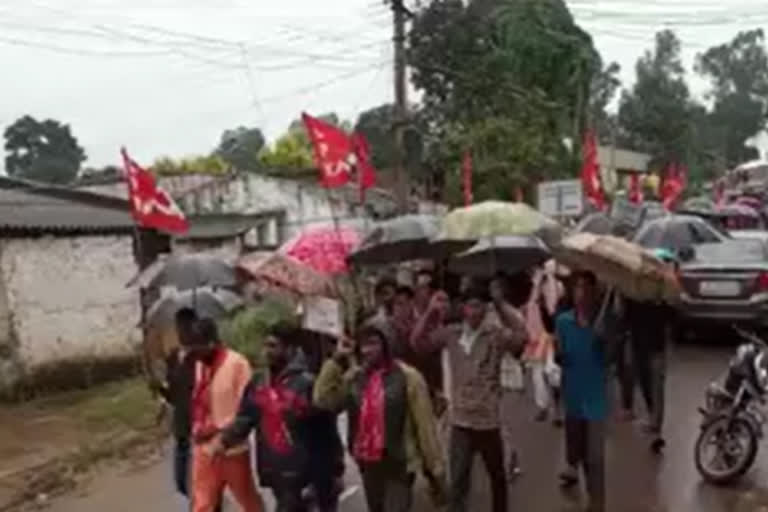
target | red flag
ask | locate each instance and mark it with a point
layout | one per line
(673, 185)
(590, 173)
(152, 206)
(466, 177)
(635, 190)
(334, 151)
(366, 172)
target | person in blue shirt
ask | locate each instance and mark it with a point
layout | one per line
(581, 356)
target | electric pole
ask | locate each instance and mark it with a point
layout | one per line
(401, 106)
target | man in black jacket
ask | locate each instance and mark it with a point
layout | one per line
(298, 446)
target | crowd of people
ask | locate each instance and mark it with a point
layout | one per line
(425, 357)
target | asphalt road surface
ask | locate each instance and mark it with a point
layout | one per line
(638, 481)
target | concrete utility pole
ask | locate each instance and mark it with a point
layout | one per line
(401, 106)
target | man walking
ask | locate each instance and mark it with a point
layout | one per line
(582, 358)
(392, 429)
(295, 443)
(221, 376)
(475, 349)
(177, 392)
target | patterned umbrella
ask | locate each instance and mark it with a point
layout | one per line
(325, 249)
(404, 238)
(497, 218)
(287, 272)
(634, 271)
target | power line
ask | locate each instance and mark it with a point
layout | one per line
(82, 52)
(322, 84)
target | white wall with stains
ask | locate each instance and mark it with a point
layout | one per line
(65, 299)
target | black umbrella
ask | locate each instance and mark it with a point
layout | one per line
(206, 302)
(400, 239)
(508, 254)
(677, 232)
(188, 271)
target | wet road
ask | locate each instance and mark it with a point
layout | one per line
(637, 480)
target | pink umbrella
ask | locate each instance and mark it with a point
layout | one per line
(324, 249)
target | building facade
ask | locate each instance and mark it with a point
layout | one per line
(65, 259)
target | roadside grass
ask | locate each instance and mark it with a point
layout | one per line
(122, 404)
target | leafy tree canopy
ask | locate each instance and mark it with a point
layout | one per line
(291, 154)
(240, 147)
(655, 115)
(738, 74)
(42, 151)
(377, 125)
(491, 70)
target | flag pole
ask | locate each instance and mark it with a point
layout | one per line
(138, 248)
(337, 229)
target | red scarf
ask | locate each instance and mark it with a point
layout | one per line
(202, 423)
(369, 440)
(274, 401)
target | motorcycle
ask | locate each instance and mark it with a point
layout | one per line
(732, 424)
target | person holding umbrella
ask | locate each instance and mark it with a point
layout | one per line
(581, 354)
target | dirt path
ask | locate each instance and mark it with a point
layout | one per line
(45, 444)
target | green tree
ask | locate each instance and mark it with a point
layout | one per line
(290, 151)
(493, 66)
(377, 125)
(656, 115)
(42, 151)
(603, 89)
(738, 75)
(240, 147)
(507, 154)
(291, 154)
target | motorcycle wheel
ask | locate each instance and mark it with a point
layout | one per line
(735, 443)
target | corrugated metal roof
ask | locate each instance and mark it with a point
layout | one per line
(25, 208)
(226, 225)
(176, 186)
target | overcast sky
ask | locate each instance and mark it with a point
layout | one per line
(166, 77)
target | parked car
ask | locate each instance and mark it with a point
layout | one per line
(726, 282)
(750, 234)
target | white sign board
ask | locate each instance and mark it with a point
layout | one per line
(322, 315)
(561, 198)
